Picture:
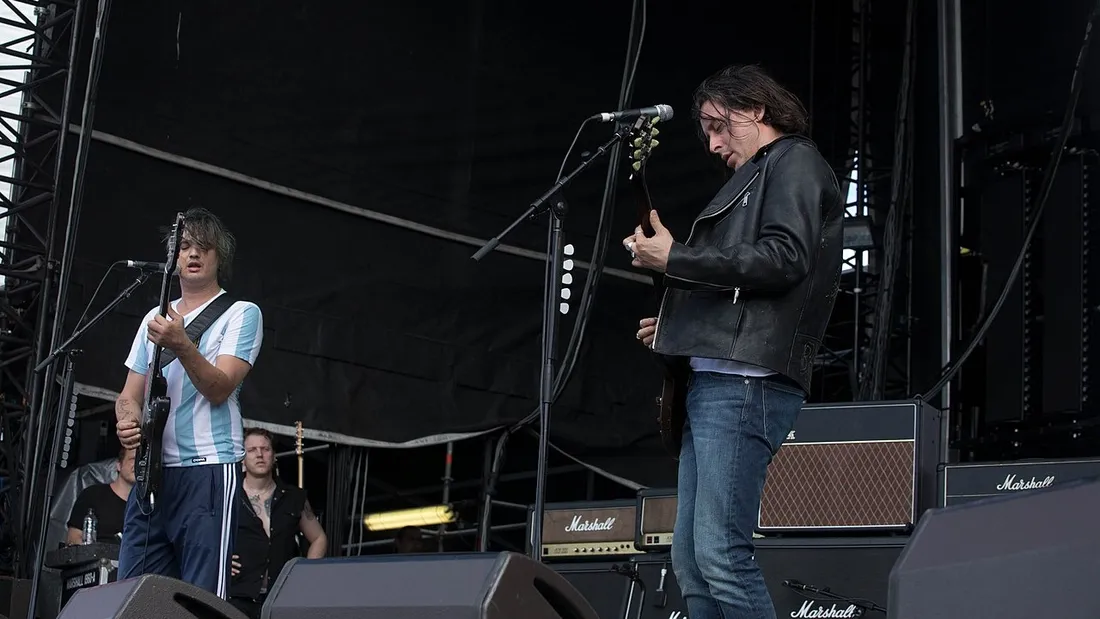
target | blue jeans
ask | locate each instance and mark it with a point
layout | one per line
(734, 426)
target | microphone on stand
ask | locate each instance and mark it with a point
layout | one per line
(663, 112)
(800, 586)
(145, 266)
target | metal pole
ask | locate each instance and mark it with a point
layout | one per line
(485, 514)
(950, 129)
(446, 488)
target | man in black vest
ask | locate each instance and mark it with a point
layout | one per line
(270, 515)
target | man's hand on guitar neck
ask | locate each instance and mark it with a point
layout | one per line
(169, 332)
(650, 252)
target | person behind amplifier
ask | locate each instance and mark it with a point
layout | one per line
(270, 515)
(188, 534)
(748, 297)
(107, 501)
(409, 539)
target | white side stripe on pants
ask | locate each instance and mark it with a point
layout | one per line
(229, 496)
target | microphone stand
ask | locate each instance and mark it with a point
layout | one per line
(553, 202)
(59, 426)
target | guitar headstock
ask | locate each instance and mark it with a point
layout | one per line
(642, 142)
(298, 437)
(174, 241)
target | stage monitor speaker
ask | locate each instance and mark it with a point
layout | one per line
(1035, 554)
(145, 597)
(501, 585)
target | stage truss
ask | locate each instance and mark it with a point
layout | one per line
(857, 362)
(38, 46)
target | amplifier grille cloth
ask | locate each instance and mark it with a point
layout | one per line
(839, 484)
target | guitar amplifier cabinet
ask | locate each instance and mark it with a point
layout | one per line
(861, 466)
(587, 530)
(963, 483)
(857, 568)
(844, 467)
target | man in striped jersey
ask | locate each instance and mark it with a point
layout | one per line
(189, 533)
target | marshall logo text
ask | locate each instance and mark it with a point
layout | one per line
(809, 611)
(1012, 484)
(578, 525)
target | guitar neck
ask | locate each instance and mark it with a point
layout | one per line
(642, 200)
(165, 300)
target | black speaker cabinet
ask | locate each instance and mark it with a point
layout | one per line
(1035, 554)
(147, 596)
(857, 567)
(421, 586)
(602, 584)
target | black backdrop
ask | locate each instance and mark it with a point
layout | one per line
(452, 115)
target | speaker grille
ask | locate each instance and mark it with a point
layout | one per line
(839, 485)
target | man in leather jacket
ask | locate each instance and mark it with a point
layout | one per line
(748, 296)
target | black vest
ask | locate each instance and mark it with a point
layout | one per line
(259, 553)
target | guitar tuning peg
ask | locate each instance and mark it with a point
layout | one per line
(638, 153)
(654, 144)
(567, 265)
(636, 142)
(567, 279)
(568, 249)
(637, 165)
(566, 293)
(563, 308)
(655, 131)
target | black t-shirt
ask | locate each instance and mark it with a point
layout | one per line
(110, 510)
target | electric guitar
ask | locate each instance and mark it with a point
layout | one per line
(149, 459)
(671, 411)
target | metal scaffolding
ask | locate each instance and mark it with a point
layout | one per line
(861, 358)
(42, 48)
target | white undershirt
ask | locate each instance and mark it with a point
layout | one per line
(725, 366)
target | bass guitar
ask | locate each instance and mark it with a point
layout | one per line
(671, 405)
(149, 459)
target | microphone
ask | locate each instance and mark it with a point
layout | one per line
(663, 112)
(145, 266)
(801, 586)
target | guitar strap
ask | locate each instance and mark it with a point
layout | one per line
(200, 324)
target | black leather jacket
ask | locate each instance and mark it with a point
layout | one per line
(757, 278)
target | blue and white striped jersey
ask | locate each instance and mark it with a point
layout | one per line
(198, 432)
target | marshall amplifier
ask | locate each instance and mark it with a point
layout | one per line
(963, 483)
(596, 529)
(656, 519)
(854, 568)
(83, 566)
(863, 466)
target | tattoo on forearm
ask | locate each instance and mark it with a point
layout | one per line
(127, 409)
(205, 376)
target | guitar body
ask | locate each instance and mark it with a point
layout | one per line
(149, 459)
(672, 411)
(671, 404)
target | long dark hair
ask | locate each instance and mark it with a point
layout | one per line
(745, 87)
